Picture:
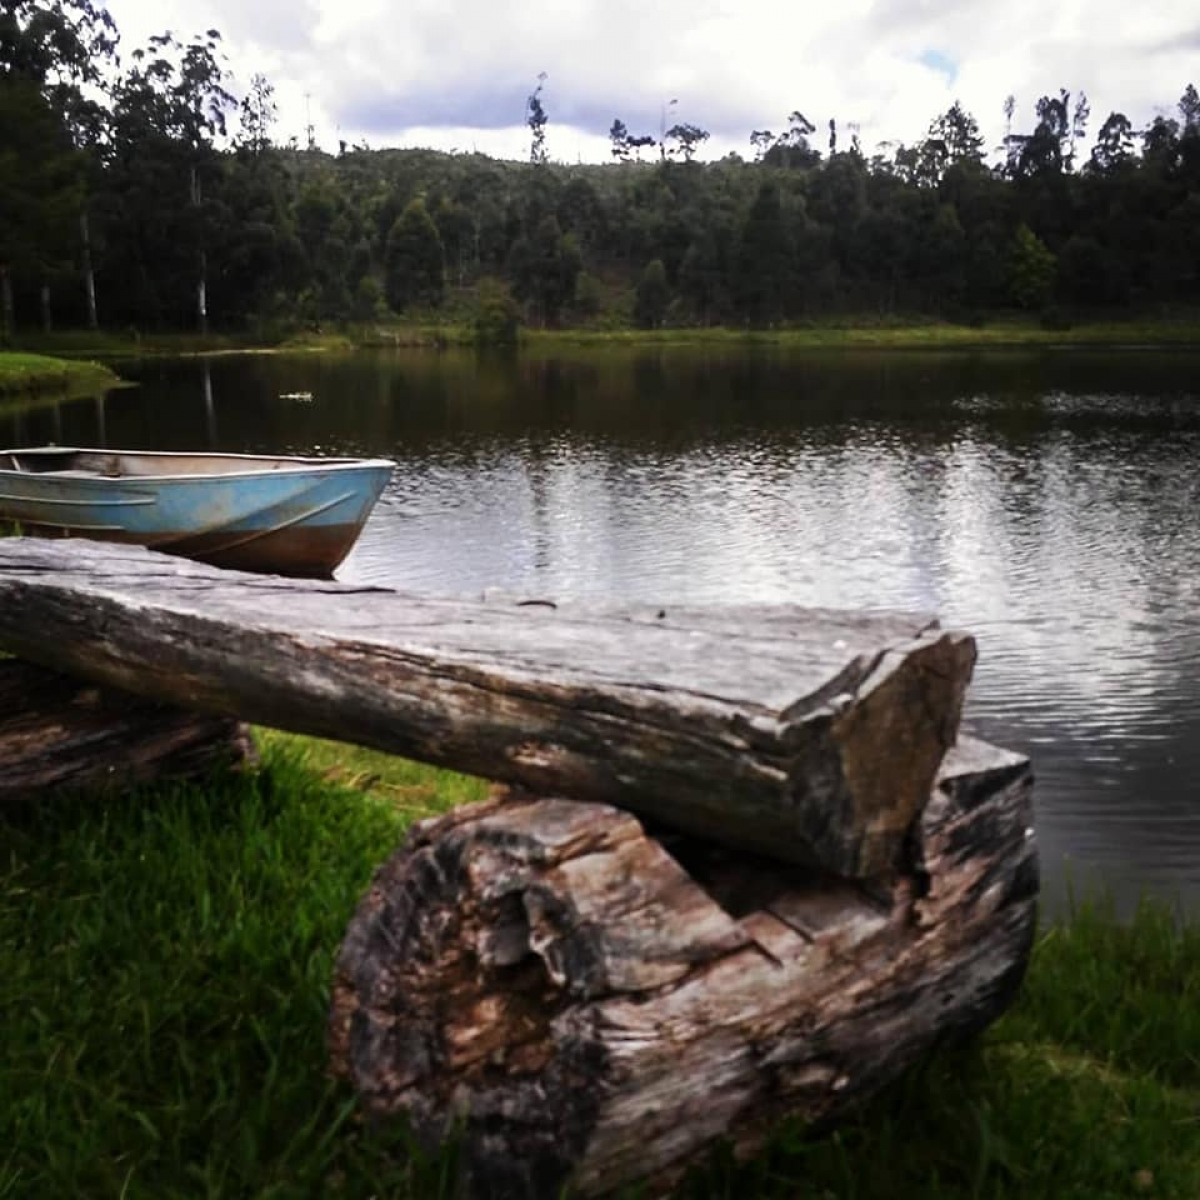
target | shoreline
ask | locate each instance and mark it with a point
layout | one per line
(30, 375)
(60, 355)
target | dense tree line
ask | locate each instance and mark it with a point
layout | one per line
(143, 193)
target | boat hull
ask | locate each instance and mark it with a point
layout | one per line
(296, 517)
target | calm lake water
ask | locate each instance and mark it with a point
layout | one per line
(1048, 502)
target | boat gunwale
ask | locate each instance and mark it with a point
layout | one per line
(290, 465)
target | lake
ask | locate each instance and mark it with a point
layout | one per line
(1045, 501)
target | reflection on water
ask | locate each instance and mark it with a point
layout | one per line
(1045, 502)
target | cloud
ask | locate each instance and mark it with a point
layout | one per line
(450, 73)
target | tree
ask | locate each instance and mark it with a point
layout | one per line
(936, 259)
(413, 264)
(1160, 144)
(1114, 145)
(1079, 120)
(581, 212)
(52, 61)
(497, 316)
(704, 276)
(456, 228)
(1031, 269)
(170, 105)
(638, 144)
(536, 119)
(1189, 109)
(792, 148)
(687, 138)
(1012, 143)
(258, 113)
(958, 132)
(762, 140)
(543, 269)
(925, 164)
(653, 296)
(1046, 150)
(618, 135)
(41, 188)
(763, 264)
(1085, 272)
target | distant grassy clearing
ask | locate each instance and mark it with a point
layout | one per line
(164, 965)
(25, 373)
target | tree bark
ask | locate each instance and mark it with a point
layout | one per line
(807, 735)
(89, 275)
(202, 295)
(201, 262)
(8, 320)
(585, 1006)
(58, 735)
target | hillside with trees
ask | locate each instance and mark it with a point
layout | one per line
(148, 192)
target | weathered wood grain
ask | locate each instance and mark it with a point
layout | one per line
(811, 736)
(587, 1009)
(59, 734)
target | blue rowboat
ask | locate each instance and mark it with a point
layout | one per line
(283, 516)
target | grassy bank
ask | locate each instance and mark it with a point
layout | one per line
(164, 961)
(431, 330)
(849, 333)
(928, 336)
(22, 374)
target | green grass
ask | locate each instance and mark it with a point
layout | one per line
(113, 344)
(164, 965)
(914, 334)
(832, 333)
(22, 374)
(451, 326)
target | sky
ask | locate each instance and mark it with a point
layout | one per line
(456, 74)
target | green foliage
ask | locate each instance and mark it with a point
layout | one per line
(111, 173)
(414, 263)
(543, 269)
(369, 302)
(763, 259)
(497, 315)
(653, 296)
(589, 295)
(1031, 270)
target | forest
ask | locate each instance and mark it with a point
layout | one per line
(144, 191)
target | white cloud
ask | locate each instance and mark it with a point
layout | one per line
(457, 75)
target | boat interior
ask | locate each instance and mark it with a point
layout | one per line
(109, 464)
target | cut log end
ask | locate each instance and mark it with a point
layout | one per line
(891, 744)
(593, 1006)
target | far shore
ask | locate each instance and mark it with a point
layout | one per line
(71, 360)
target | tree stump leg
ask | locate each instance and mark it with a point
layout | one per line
(589, 1005)
(58, 734)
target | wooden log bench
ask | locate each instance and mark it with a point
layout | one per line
(742, 866)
